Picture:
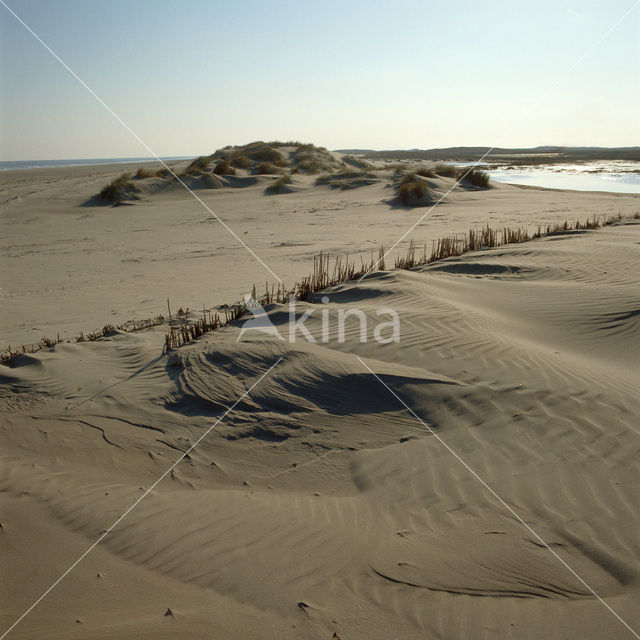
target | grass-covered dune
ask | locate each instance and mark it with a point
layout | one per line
(232, 165)
(256, 158)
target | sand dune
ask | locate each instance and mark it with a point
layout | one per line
(69, 267)
(319, 504)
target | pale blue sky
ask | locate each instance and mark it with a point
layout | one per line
(192, 77)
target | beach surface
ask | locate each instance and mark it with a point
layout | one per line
(71, 263)
(477, 478)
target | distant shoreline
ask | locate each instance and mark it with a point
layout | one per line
(515, 156)
(20, 165)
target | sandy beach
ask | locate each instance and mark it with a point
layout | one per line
(68, 267)
(319, 321)
(478, 477)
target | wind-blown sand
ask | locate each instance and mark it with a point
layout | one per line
(67, 268)
(319, 504)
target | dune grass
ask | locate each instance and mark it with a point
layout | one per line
(198, 166)
(142, 173)
(8, 356)
(279, 185)
(122, 188)
(347, 179)
(467, 176)
(446, 170)
(182, 330)
(412, 190)
(241, 161)
(425, 172)
(487, 238)
(266, 158)
(265, 153)
(312, 159)
(163, 173)
(358, 163)
(119, 189)
(474, 177)
(267, 168)
(224, 168)
(256, 157)
(251, 155)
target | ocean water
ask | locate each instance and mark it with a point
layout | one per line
(611, 176)
(7, 165)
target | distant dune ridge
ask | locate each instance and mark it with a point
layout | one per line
(256, 158)
(233, 166)
(315, 505)
(548, 154)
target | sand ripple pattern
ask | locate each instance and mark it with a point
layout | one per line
(320, 498)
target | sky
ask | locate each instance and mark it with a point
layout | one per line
(189, 78)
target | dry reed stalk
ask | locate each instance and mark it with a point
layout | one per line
(344, 270)
(486, 237)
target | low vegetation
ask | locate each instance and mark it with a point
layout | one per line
(311, 159)
(347, 179)
(251, 155)
(358, 163)
(446, 170)
(474, 177)
(267, 168)
(142, 173)
(182, 329)
(8, 357)
(517, 156)
(224, 168)
(486, 238)
(269, 158)
(241, 162)
(279, 186)
(119, 190)
(164, 173)
(258, 157)
(261, 152)
(198, 166)
(467, 176)
(425, 172)
(413, 190)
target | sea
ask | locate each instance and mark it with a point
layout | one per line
(8, 165)
(612, 176)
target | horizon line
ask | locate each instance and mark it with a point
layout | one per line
(341, 149)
